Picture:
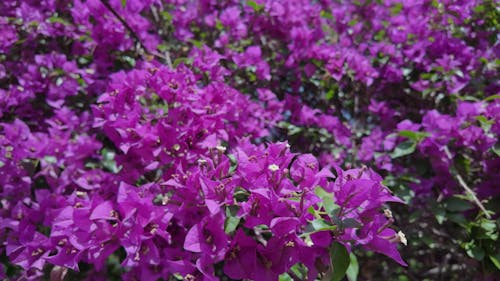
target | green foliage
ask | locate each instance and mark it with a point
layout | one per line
(353, 269)
(256, 7)
(339, 261)
(231, 224)
(404, 148)
(326, 201)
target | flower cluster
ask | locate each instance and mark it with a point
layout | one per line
(177, 200)
(206, 140)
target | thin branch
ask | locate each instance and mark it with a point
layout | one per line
(125, 24)
(168, 60)
(137, 40)
(464, 185)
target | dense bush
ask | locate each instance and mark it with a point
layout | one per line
(264, 140)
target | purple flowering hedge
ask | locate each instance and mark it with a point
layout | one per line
(249, 140)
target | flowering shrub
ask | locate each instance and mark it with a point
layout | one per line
(216, 140)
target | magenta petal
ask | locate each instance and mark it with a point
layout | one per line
(384, 246)
(283, 226)
(192, 242)
(212, 206)
(103, 211)
(65, 258)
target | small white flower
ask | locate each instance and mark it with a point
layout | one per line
(220, 148)
(273, 167)
(81, 193)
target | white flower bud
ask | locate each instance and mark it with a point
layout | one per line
(402, 238)
(388, 213)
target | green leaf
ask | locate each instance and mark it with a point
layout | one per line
(474, 251)
(166, 16)
(108, 160)
(326, 15)
(234, 163)
(496, 148)
(330, 94)
(495, 261)
(299, 270)
(293, 130)
(232, 210)
(107, 155)
(231, 224)
(353, 269)
(487, 230)
(379, 36)
(232, 220)
(285, 277)
(162, 48)
(350, 223)
(219, 25)
(124, 3)
(327, 200)
(468, 98)
(396, 9)
(196, 43)
(488, 225)
(404, 192)
(440, 217)
(463, 164)
(479, 9)
(490, 98)
(457, 218)
(256, 7)
(455, 204)
(404, 148)
(178, 276)
(352, 22)
(312, 211)
(439, 212)
(56, 19)
(181, 60)
(320, 224)
(241, 194)
(129, 60)
(485, 123)
(416, 136)
(339, 261)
